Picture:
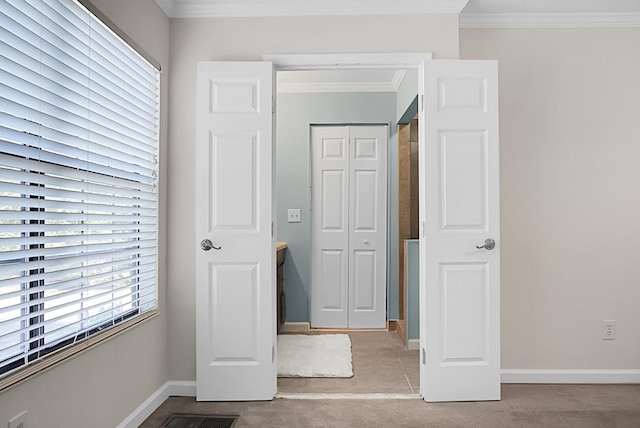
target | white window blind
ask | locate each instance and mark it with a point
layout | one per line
(79, 117)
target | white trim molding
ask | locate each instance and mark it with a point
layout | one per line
(372, 86)
(569, 376)
(347, 61)
(272, 8)
(413, 344)
(144, 410)
(188, 388)
(549, 20)
(167, 6)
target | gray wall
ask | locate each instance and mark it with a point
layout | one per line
(195, 40)
(569, 183)
(296, 112)
(103, 385)
(406, 106)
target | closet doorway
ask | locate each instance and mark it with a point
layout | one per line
(348, 226)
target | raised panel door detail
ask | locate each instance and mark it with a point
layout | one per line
(234, 202)
(459, 283)
(365, 194)
(233, 288)
(333, 200)
(465, 309)
(233, 96)
(462, 94)
(365, 148)
(333, 148)
(463, 180)
(364, 279)
(348, 230)
(332, 264)
(234, 209)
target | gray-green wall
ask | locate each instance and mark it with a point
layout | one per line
(296, 112)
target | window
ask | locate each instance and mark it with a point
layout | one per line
(79, 117)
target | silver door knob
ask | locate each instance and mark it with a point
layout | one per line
(489, 244)
(207, 245)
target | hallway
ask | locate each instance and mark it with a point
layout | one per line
(381, 365)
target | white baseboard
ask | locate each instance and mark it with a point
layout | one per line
(188, 388)
(144, 410)
(569, 376)
(413, 344)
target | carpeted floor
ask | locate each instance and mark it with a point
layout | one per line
(382, 366)
(522, 406)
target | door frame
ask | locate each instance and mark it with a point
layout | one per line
(350, 61)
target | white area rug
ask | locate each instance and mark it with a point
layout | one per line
(320, 355)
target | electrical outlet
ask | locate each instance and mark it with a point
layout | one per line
(608, 329)
(293, 215)
(19, 421)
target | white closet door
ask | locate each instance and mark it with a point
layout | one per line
(349, 218)
(368, 227)
(330, 227)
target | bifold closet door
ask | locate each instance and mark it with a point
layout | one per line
(348, 287)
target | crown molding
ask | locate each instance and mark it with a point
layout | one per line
(272, 8)
(549, 20)
(167, 6)
(398, 77)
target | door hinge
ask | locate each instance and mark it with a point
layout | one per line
(272, 229)
(273, 354)
(424, 356)
(273, 105)
(421, 102)
(424, 227)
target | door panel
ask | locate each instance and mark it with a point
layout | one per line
(365, 193)
(368, 227)
(460, 283)
(235, 283)
(233, 288)
(234, 198)
(364, 292)
(329, 227)
(333, 206)
(463, 154)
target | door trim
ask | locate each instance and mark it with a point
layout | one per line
(290, 62)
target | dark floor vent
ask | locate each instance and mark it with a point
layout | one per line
(200, 421)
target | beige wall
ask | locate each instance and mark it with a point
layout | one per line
(102, 386)
(570, 193)
(195, 40)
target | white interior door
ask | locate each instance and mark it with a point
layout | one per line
(368, 227)
(460, 283)
(329, 226)
(348, 217)
(235, 271)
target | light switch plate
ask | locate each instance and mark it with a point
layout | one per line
(293, 215)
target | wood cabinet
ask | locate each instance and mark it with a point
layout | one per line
(280, 302)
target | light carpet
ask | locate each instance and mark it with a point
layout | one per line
(321, 355)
